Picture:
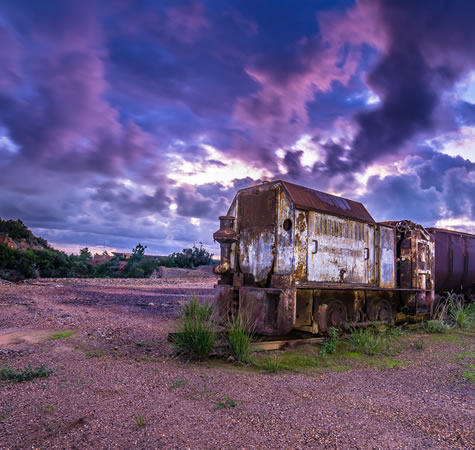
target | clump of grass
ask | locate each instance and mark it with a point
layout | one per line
(463, 315)
(469, 374)
(140, 421)
(226, 403)
(179, 382)
(435, 326)
(239, 339)
(419, 345)
(62, 335)
(195, 336)
(272, 363)
(329, 346)
(13, 376)
(368, 341)
(95, 353)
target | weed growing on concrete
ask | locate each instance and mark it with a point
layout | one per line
(10, 375)
(62, 335)
(239, 339)
(195, 336)
(226, 403)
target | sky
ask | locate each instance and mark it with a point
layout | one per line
(133, 121)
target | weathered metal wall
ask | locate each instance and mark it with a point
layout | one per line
(454, 260)
(257, 214)
(301, 244)
(340, 250)
(387, 256)
(284, 251)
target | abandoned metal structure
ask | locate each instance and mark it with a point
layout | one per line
(296, 258)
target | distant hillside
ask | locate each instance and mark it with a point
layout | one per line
(24, 255)
(16, 235)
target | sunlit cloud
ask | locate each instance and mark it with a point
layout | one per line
(204, 172)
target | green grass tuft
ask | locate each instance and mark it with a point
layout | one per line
(195, 336)
(10, 375)
(140, 421)
(226, 403)
(272, 363)
(368, 341)
(62, 335)
(239, 339)
(435, 326)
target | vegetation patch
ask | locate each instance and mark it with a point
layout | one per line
(8, 374)
(95, 353)
(226, 403)
(62, 335)
(435, 326)
(469, 373)
(195, 336)
(239, 340)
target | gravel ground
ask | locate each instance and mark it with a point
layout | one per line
(116, 383)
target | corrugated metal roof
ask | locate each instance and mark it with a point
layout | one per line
(310, 199)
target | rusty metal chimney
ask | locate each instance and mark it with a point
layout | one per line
(225, 236)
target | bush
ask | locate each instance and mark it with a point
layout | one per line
(189, 258)
(195, 336)
(329, 346)
(239, 339)
(435, 326)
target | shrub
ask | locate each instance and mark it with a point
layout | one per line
(463, 315)
(189, 258)
(195, 336)
(435, 326)
(329, 346)
(239, 339)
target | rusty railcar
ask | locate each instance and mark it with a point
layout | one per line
(454, 261)
(296, 258)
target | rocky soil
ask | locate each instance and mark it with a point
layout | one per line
(117, 384)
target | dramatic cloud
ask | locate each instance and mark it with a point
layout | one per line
(138, 121)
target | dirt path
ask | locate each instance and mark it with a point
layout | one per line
(116, 383)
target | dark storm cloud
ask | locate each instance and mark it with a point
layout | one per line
(399, 197)
(430, 46)
(193, 204)
(98, 100)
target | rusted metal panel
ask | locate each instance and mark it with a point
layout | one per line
(266, 311)
(256, 253)
(340, 250)
(312, 200)
(284, 256)
(303, 317)
(301, 244)
(387, 256)
(454, 260)
(257, 208)
(257, 213)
